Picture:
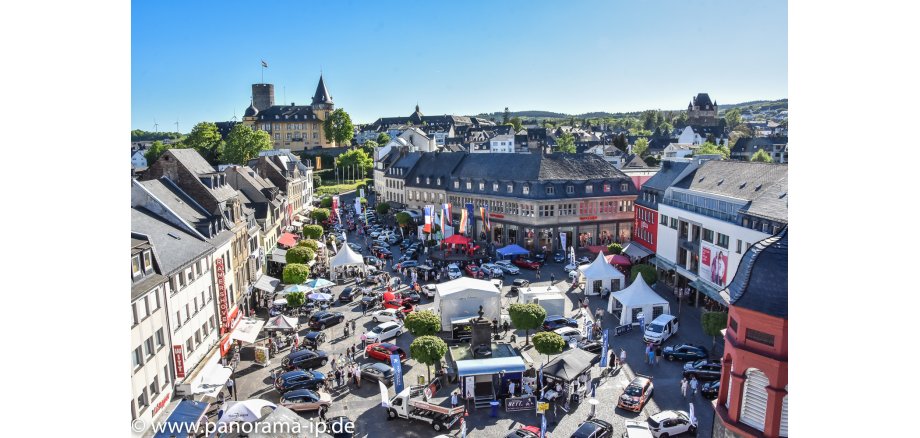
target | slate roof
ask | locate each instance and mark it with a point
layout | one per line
(322, 94)
(702, 100)
(669, 171)
(772, 203)
(761, 282)
(173, 247)
(196, 164)
(177, 200)
(406, 162)
(750, 145)
(737, 179)
(434, 165)
(290, 113)
(634, 161)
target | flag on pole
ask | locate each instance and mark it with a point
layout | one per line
(462, 428)
(604, 350)
(463, 221)
(469, 216)
(427, 219)
(264, 64)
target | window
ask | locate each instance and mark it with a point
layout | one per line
(190, 275)
(673, 223)
(417, 180)
(550, 190)
(526, 189)
(155, 386)
(148, 346)
(195, 303)
(197, 338)
(188, 345)
(148, 261)
(135, 266)
(570, 189)
(547, 210)
(204, 330)
(178, 320)
(165, 375)
(138, 357)
(723, 241)
(589, 188)
(482, 186)
(160, 341)
(510, 187)
(469, 185)
(707, 235)
(664, 220)
(606, 188)
(624, 187)
(456, 184)
(142, 400)
(759, 337)
(738, 248)
(188, 314)
(733, 324)
(494, 187)
(181, 281)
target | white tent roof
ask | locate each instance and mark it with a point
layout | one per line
(463, 284)
(346, 257)
(638, 294)
(599, 269)
(282, 322)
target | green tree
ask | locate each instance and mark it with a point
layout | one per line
(527, 317)
(299, 254)
(665, 129)
(383, 138)
(506, 117)
(713, 324)
(403, 219)
(647, 271)
(312, 231)
(649, 119)
(651, 160)
(295, 299)
(357, 158)
(516, 122)
(732, 118)
(641, 146)
(615, 248)
(713, 149)
(383, 208)
(325, 202)
(762, 156)
(244, 144)
(295, 273)
(424, 323)
(310, 243)
(368, 147)
(428, 350)
(338, 127)
(317, 181)
(565, 143)
(205, 139)
(153, 153)
(548, 343)
(620, 141)
(320, 214)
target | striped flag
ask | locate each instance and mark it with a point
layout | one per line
(264, 64)
(427, 228)
(463, 221)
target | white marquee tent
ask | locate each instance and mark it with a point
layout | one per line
(600, 274)
(462, 297)
(346, 257)
(638, 297)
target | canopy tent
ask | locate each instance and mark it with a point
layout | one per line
(638, 297)
(244, 411)
(319, 296)
(278, 424)
(569, 365)
(511, 250)
(279, 256)
(297, 224)
(267, 284)
(549, 298)
(288, 240)
(211, 380)
(318, 283)
(619, 259)
(477, 367)
(280, 302)
(637, 251)
(346, 257)
(282, 322)
(184, 419)
(295, 288)
(600, 275)
(247, 330)
(457, 239)
(463, 297)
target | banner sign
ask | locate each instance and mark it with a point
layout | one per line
(604, 349)
(180, 361)
(542, 407)
(222, 293)
(514, 404)
(470, 386)
(397, 372)
(562, 237)
(362, 193)
(713, 264)
(469, 218)
(384, 394)
(622, 329)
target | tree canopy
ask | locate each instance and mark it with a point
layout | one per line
(428, 350)
(299, 254)
(358, 158)
(527, 317)
(641, 146)
(325, 202)
(712, 149)
(732, 118)
(310, 243)
(153, 153)
(647, 271)
(383, 208)
(517, 123)
(548, 343)
(713, 323)
(423, 323)
(762, 156)
(615, 248)
(338, 127)
(383, 138)
(295, 273)
(295, 299)
(244, 144)
(565, 143)
(205, 139)
(320, 214)
(403, 218)
(312, 231)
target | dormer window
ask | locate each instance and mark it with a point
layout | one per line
(510, 187)
(148, 261)
(526, 189)
(550, 190)
(456, 184)
(570, 189)
(417, 180)
(439, 181)
(135, 266)
(469, 185)
(606, 187)
(428, 180)
(623, 187)
(494, 187)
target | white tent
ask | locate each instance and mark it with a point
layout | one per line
(346, 257)
(462, 297)
(600, 274)
(549, 298)
(638, 297)
(244, 411)
(282, 322)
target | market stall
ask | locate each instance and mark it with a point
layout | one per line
(187, 418)
(549, 298)
(571, 370)
(511, 251)
(637, 298)
(463, 298)
(344, 258)
(600, 275)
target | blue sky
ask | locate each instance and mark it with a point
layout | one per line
(196, 61)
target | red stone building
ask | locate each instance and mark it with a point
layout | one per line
(753, 394)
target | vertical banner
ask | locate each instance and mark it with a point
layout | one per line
(224, 305)
(469, 218)
(362, 193)
(335, 206)
(442, 216)
(180, 361)
(562, 237)
(383, 394)
(319, 163)
(469, 386)
(397, 373)
(604, 348)
(358, 206)
(543, 425)
(462, 221)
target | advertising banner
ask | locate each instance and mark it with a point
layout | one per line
(514, 404)
(713, 264)
(562, 237)
(470, 386)
(469, 219)
(397, 373)
(604, 349)
(180, 361)
(222, 293)
(262, 355)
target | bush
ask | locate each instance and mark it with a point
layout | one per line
(548, 343)
(403, 219)
(295, 273)
(309, 243)
(299, 254)
(336, 189)
(527, 317)
(320, 214)
(428, 350)
(325, 202)
(424, 323)
(615, 248)
(296, 299)
(312, 231)
(648, 273)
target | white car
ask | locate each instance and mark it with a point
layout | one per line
(429, 290)
(384, 315)
(573, 275)
(569, 333)
(637, 429)
(570, 267)
(508, 267)
(375, 234)
(492, 269)
(383, 332)
(453, 271)
(671, 423)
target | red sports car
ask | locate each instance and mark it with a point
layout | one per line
(404, 305)
(526, 263)
(382, 351)
(472, 270)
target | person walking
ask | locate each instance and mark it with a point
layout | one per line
(357, 376)
(651, 356)
(694, 384)
(230, 389)
(322, 412)
(511, 387)
(657, 353)
(538, 274)
(683, 387)
(552, 278)
(453, 399)
(338, 377)
(622, 357)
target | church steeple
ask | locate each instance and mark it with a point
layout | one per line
(322, 97)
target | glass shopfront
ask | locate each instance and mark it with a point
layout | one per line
(586, 235)
(512, 234)
(569, 237)
(546, 239)
(528, 236)
(606, 234)
(498, 232)
(625, 231)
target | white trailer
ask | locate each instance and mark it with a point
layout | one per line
(409, 404)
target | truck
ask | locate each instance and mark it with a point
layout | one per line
(410, 404)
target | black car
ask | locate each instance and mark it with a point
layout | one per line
(299, 379)
(594, 428)
(406, 264)
(383, 253)
(371, 260)
(349, 294)
(313, 340)
(341, 427)
(685, 352)
(371, 300)
(591, 346)
(710, 390)
(321, 320)
(704, 370)
(559, 256)
(553, 322)
(412, 297)
(539, 257)
(305, 359)
(404, 244)
(378, 371)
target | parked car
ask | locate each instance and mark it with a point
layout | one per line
(705, 371)
(594, 428)
(569, 333)
(525, 432)
(583, 260)
(371, 301)
(313, 339)
(559, 256)
(636, 394)
(341, 427)
(378, 371)
(492, 269)
(520, 282)
(661, 328)
(383, 351)
(321, 320)
(539, 257)
(508, 267)
(305, 359)
(407, 264)
(383, 253)
(429, 290)
(375, 234)
(637, 429)
(684, 352)
(299, 379)
(382, 332)
(472, 270)
(412, 297)
(526, 263)
(570, 267)
(350, 293)
(710, 390)
(400, 305)
(453, 271)
(384, 315)
(394, 239)
(671, 423)
(554, 322)
(305, 400)
(594, 346)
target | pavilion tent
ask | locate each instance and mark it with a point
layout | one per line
(282, 322)
(570, 364)
(512, 250)
(638, 297)
(461, 298)
(600, 275)
(458, 239)
(346, 257)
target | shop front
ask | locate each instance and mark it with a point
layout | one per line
(513, 234)
(569, 233)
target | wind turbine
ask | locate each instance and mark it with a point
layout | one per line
(156, 126)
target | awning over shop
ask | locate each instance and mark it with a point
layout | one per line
(279, 256)
(636, 250)
(211, 380)
(247, 330)
(183, 419)
(288, 240)
(662, 263)
(496, 365)
(267, 283)
(297, 224)
(708, 290)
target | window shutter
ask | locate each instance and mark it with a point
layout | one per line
(754, 399)
(784, 420)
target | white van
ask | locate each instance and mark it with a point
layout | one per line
(453, 271)
(660, 329)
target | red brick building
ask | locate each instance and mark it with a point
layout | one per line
(753, 394)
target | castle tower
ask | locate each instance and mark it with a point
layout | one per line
(322, 101)
(263, 96)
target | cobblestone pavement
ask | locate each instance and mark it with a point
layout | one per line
(362, 404)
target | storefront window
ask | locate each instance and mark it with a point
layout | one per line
(512, 234)
(546, 240)
(529, 235)
(497, 233)
(606, 234)
(569, 236)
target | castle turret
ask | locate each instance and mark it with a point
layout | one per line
(263, 96)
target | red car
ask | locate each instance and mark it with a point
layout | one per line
(472, 270)
(526, 263)
(382, 351)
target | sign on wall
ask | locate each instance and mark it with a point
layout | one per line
(180, 361)
(222, 292)
(713, 264)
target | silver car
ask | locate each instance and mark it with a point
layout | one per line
(507, 267)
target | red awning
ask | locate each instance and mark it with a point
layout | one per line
(458, 239)
(618, 259)
(287, 239)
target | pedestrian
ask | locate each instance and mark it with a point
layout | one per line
(622, 357)
(511, 387)
(453, 399)
(538, 274)
(552, 278)
(694, 384)
(683, 387)
(338, 377)
(230, 389)
(322, 412)
(657, 353)
(612, 360)
(648, 347)
(357, 376)
(333, 362)
(651, 356)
